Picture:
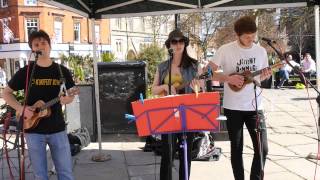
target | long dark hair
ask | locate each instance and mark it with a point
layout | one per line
(186, 60)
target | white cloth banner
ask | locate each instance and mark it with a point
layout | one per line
(8, 35)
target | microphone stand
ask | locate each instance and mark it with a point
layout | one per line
(259, 129)
(308, 82)
(170, 140)
(20, 124)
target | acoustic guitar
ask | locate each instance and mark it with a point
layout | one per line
(248, 76)
(179, 87)
(42, 110)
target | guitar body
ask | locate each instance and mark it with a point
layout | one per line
(37, 115)
(247, 79)
(248, 76)
(42, 110)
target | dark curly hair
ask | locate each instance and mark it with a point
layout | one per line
(245, 25)
(38, 34)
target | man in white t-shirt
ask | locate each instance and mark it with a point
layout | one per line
(239, 107)
(286, 70)
(308, 67)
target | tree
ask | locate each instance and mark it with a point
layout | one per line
(153, 55)
(267, 23)
(201, 28)
(107, 57)
(299, 26)
(156, 22)
(81, 66)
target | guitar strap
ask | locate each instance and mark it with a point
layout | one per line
(63, 88)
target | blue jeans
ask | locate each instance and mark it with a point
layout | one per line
(284, 75)
(60, 153)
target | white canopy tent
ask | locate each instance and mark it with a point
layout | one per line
(98, 9)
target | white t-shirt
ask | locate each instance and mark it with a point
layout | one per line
(287, 67)
(308, 66)
(233, 58)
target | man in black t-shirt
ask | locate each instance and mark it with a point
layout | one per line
(45, 84)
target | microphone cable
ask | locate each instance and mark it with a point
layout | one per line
(258, 134)
(281, 56)
(316, 123)
(5, 144)
(28, 83)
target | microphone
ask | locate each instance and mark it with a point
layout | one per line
(37, 52)
(268, 40)
(170, 51)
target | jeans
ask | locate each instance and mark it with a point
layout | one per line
(307, 75)
(60, 153)
(164, 167)
(235, 121)
(284, 75)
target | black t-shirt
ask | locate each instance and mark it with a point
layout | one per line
(45, 86)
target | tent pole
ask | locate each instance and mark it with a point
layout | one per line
(97, 157)
(317, 41)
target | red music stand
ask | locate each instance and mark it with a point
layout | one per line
(177, 114)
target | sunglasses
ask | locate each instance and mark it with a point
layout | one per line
(176, 41)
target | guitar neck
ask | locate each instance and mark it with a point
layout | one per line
(260, 71)
(187, 83)
(50, 103)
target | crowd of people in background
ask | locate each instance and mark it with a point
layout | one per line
(307, 66)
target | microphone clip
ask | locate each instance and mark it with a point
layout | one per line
(268, 40)
(37, 52)
(170, 51)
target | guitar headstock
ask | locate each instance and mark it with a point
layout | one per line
(278, 65)
(70, 92)
(73, 91)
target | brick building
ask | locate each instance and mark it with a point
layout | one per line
(69, 32)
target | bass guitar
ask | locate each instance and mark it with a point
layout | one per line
(42, 110)
(248, 76)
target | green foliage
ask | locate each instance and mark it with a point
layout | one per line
(107, 57)
(82, 66)
(153, 55)
(6, 109)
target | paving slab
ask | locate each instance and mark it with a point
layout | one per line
(291, 136)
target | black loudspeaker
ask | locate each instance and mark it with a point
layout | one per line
(82, 111)
(313, 2)
(120, 83)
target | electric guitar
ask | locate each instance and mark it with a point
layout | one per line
(42, 110)
(248, 76)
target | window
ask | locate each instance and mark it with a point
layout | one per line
(97, 33)
(118, 23)
(57, 31)
(76, 32)
(130, 24)
(143, 24)
(4, 3)
(31, 25)
(166, 28)
(119, 46)
(30, 2)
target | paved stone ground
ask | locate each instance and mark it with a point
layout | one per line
(292, 135)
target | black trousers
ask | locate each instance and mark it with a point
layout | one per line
(177, 140)
(235, 121)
